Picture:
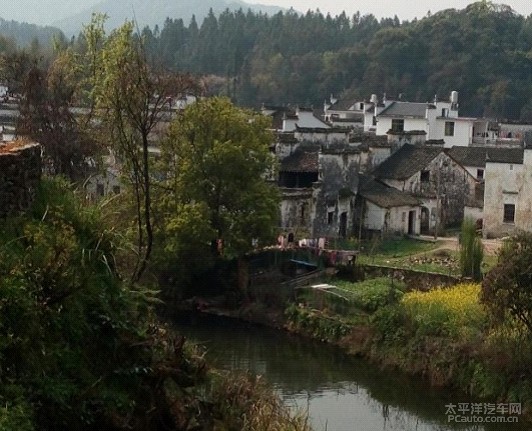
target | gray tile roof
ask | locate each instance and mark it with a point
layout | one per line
(406, 161)
(478, 156)
(343, 105)
(469, 156)
(405, 109)
(383, 196)
(301, 161)
(505, 155)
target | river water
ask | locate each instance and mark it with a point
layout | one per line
(340, 393)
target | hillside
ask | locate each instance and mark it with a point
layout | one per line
(154, 12)
(24, 34)
(482, 51)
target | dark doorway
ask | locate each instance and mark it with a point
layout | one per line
(343, 225)
(411, 223)
(425, 221)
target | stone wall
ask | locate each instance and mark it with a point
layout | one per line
(20, 174)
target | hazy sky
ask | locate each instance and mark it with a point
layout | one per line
(404, 9)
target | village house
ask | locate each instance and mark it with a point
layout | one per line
(508, 192)
(318, 187)
(430, 174)
(439, 120)
(346, 112)
(385, 210)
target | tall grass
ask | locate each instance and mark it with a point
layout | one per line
(471, 251)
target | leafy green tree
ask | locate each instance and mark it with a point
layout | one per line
(471, 250)
(507, 288)
(215, 158)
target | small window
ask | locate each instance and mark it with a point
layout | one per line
(509, 213)
(480, 174)
(398, 125)
(449, 128)
(425, 176)
(445, 112)
(302, 214)
(511, 167)
(361, 106)
(330, 216)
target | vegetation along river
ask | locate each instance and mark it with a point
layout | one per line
(341, 393)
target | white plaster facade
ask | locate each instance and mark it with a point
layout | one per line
(508, 197)
(398, 220)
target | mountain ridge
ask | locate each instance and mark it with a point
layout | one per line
(155, 12)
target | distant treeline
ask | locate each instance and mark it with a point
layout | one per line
(25, 35)
(483, 51)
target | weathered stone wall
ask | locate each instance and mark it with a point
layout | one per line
(20, 174)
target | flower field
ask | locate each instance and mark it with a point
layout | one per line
(454, 311)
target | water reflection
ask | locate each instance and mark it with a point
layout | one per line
(340, 393)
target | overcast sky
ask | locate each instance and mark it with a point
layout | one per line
(404, 9)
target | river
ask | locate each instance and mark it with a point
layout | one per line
(340, 393)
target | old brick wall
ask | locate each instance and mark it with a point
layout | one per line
(20, 174)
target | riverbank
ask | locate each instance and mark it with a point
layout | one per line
(443, 336)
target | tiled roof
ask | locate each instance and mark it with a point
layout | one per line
(371, 140)
(343, 105)
(478, 156)
(383, 196)
(406, 161)
(301, 161)
(469, 156)
(405, 109)
(505, 155)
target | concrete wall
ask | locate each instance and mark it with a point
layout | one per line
(385, 123)
(20, 174)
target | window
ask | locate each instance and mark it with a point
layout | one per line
(425, 176)
(330, 216)
(398, 125)
(480, 174)
(449, 128)
(445, 112)
(511, 167)
(361, 106)
(509, 213)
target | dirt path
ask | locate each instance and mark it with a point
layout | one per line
(491, 246)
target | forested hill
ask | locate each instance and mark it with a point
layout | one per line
(154, 11)
(24, 34)
(483, 51)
